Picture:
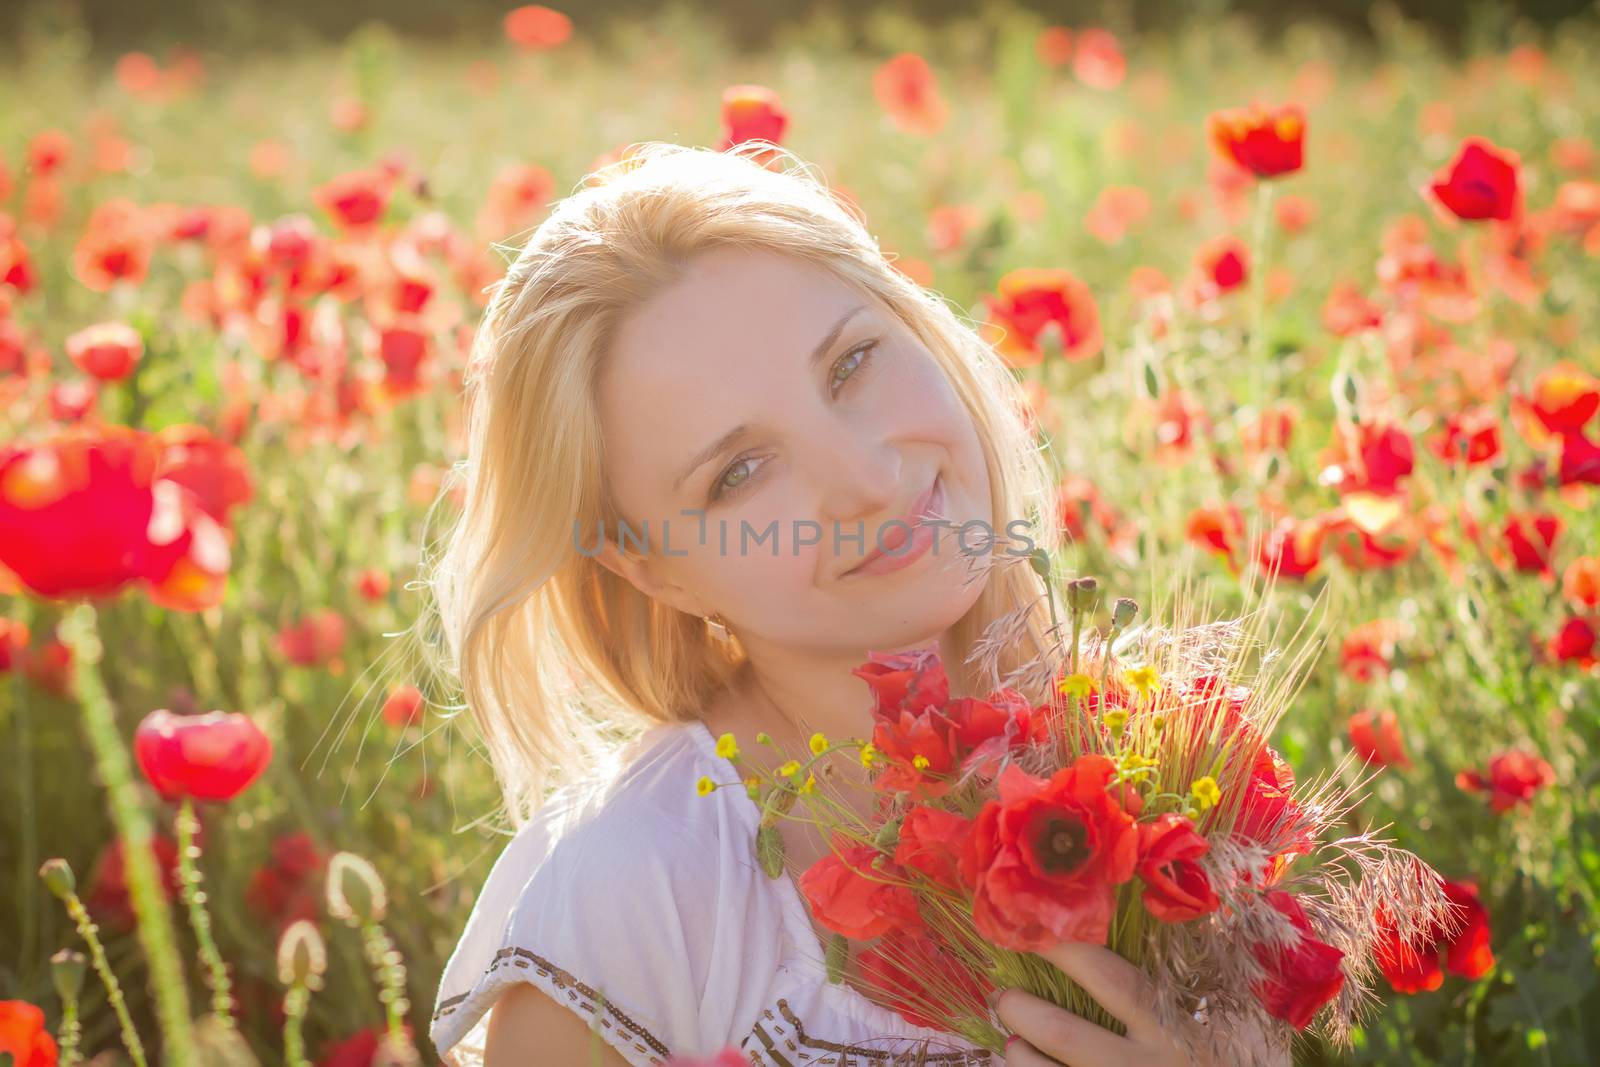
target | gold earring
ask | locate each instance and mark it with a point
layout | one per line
(716, 627)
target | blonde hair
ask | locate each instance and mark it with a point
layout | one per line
(525, 618)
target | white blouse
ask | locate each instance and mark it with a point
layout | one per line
(639, 905)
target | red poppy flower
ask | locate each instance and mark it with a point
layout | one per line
(1512, 779)
(905, 681)
(751, 113)
(355, 201)
(75, 511)
(1053, 46)
(1573, 643)
(1047, 855)
(931, 841)
(1300, 978)
(1218, 529)
(1580, 461)
(534, 27)
(1267, 142)
(115, 247)
(1375, 735)
(16, 265)
(314, 640)
(1531, 538)
(207, 757)
(910, 973)
(1380, 455)
(1481, 182)
(1368, 649)
(213, 470)
(1347, 312)
(1292, 548)
(1580, 582)
(1414, 966)
(859, 892)
(1565, 397)
(288, 886)
(1470, 437)
(360, 1049)
(1223, 264)
(1097, 61)
(1040, 311)
(107, 352)
(1176, 887)
(909, 94)
(23, 1035)
(403, 706)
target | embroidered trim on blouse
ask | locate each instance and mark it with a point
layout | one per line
(777, 1036)
(522, 958)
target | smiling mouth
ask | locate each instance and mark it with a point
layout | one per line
(924, 508)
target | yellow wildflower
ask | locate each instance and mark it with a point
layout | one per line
(1205, 792)
(819, 743)
(810, 785)
(727, 747)
(763, 738)
(1116, 718)
(1133, 761)
(920, 762)
(1143, 679)
(790, 769)
(705, 786)
(1077, 685)
(869, 754)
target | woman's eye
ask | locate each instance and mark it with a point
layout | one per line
(724, 486)
(852, 362)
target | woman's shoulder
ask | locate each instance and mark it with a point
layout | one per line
(635, 901)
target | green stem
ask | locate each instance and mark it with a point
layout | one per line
(70, 1033)
(295, 1003)
(391, 975)
(133, 824)
(194, 898)
(1258, 293)
(102, 966)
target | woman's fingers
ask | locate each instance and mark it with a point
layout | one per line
(1058, 1033)
(1021, 1054)
(1118, 986)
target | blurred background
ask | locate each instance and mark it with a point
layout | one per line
(262, 235)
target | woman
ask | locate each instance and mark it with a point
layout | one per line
(705, 412)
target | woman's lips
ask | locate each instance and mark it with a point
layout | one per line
(895, 554)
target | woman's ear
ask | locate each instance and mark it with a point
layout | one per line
(636, 570)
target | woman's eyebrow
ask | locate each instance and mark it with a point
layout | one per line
(711, 451)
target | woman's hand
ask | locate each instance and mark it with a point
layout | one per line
(1046, 1035)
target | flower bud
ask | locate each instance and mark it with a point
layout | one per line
(302, 956)
(355, 892)
(838, 954)
(57, 875)
(1081, 593)
(1039, 560)
(887, 837)
(1123, 612)
(67, 968)
(769, 851)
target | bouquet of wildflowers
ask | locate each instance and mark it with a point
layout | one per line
(1139, 807)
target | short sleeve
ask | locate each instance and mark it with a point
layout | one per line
(627, 905)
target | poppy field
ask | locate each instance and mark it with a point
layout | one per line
(1309, 307)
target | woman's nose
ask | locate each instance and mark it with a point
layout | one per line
(860, 482)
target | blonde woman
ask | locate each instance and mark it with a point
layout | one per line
(705, 412)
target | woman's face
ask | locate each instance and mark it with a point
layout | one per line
(767, 414)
